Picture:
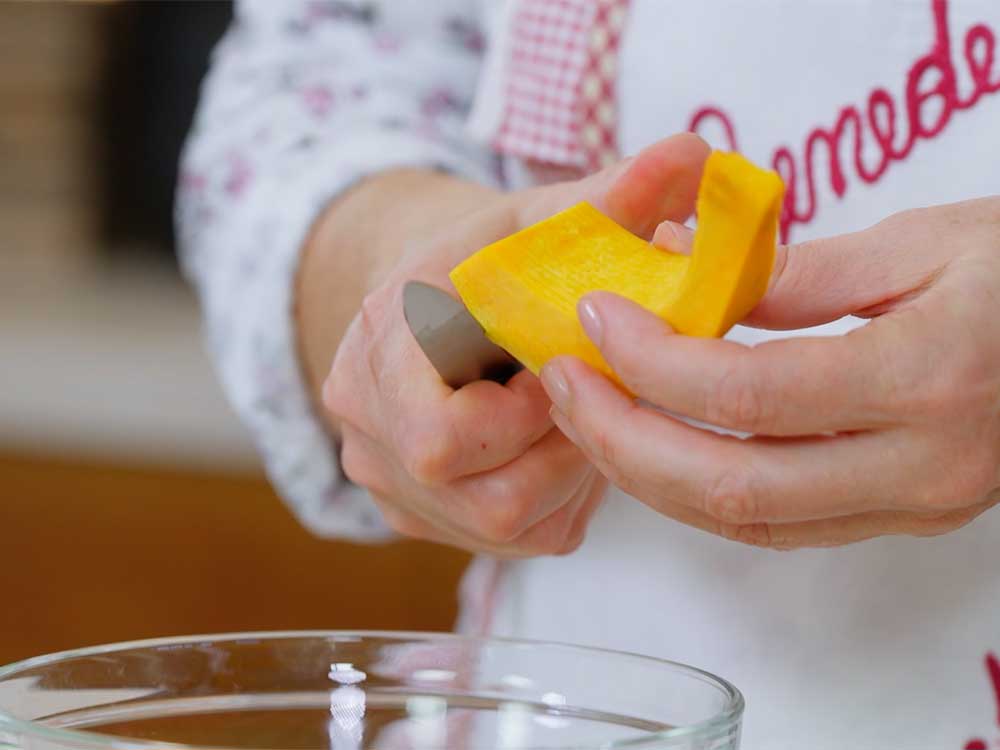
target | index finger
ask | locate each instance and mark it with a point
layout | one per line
(442, 434)
(659, 459)
(796, 386)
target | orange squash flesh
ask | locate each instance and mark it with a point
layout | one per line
(524, 289)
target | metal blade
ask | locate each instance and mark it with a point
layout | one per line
(451, 338)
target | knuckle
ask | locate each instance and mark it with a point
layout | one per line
(952, 471)
(968, 385)
(630, 365)
(505, 512)
(571, 545)
(360, 469)
(335, 396)
(551, 545)
(555, 536)
(372, 342)
(927, 529)
(926, 400)
(977, 480)
(370, 313)
(903, 220)
(339, 397)
(903, 380)
(960, 489)
(793, 272)
(604, 447)
(784, 266)
(498, 526)
(731, 498)
(431, 460)
(752, 534)
(947, 393)
(940, 524)
(601, 449)
(738, 401)
(402, 523)
(354, 463)
(630, 483)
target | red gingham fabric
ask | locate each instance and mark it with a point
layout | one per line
(560, 98)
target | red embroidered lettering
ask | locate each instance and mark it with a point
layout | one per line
(714, 112)
(938, 59)
(980, 66)
(931, 99)
(885, 131)
(993, 670)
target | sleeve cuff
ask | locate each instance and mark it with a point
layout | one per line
(249, 302)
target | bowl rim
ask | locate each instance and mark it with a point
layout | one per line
(724, 720)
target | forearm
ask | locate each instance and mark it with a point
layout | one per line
(357, 241)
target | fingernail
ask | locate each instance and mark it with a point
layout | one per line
(554, 380)
(670, 235)
(590, 319)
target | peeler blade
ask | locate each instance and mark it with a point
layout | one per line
(452, 339)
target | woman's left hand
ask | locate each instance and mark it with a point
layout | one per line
(893, 428)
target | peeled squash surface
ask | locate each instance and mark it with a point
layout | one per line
(524, 289)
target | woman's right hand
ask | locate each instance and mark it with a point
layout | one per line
(482, 467)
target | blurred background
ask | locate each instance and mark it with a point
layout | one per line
(131, 502)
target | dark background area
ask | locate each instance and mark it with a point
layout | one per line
(158, 53)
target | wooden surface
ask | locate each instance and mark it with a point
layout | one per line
(96, 554)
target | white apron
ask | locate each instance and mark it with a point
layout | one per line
(883, 644)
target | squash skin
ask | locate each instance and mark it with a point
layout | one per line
(524, 289)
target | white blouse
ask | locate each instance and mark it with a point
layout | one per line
(304, 99)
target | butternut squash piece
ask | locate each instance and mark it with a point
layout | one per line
(524, 289)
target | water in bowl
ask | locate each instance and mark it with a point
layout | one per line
(353, 718)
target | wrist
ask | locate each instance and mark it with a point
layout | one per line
(357, 242)
(406, 209)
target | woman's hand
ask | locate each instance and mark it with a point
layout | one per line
(891, 429)
(482, 467)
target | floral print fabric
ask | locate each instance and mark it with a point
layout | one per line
(303, 100)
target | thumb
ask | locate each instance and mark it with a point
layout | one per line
(657, 184)
(864, 273)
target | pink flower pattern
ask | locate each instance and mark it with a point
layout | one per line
(318, 100)
(240, 175)
(304, 98)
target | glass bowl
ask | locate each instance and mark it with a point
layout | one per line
(336, 690)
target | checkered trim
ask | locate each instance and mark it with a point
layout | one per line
(596, 92)
(560, 98)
